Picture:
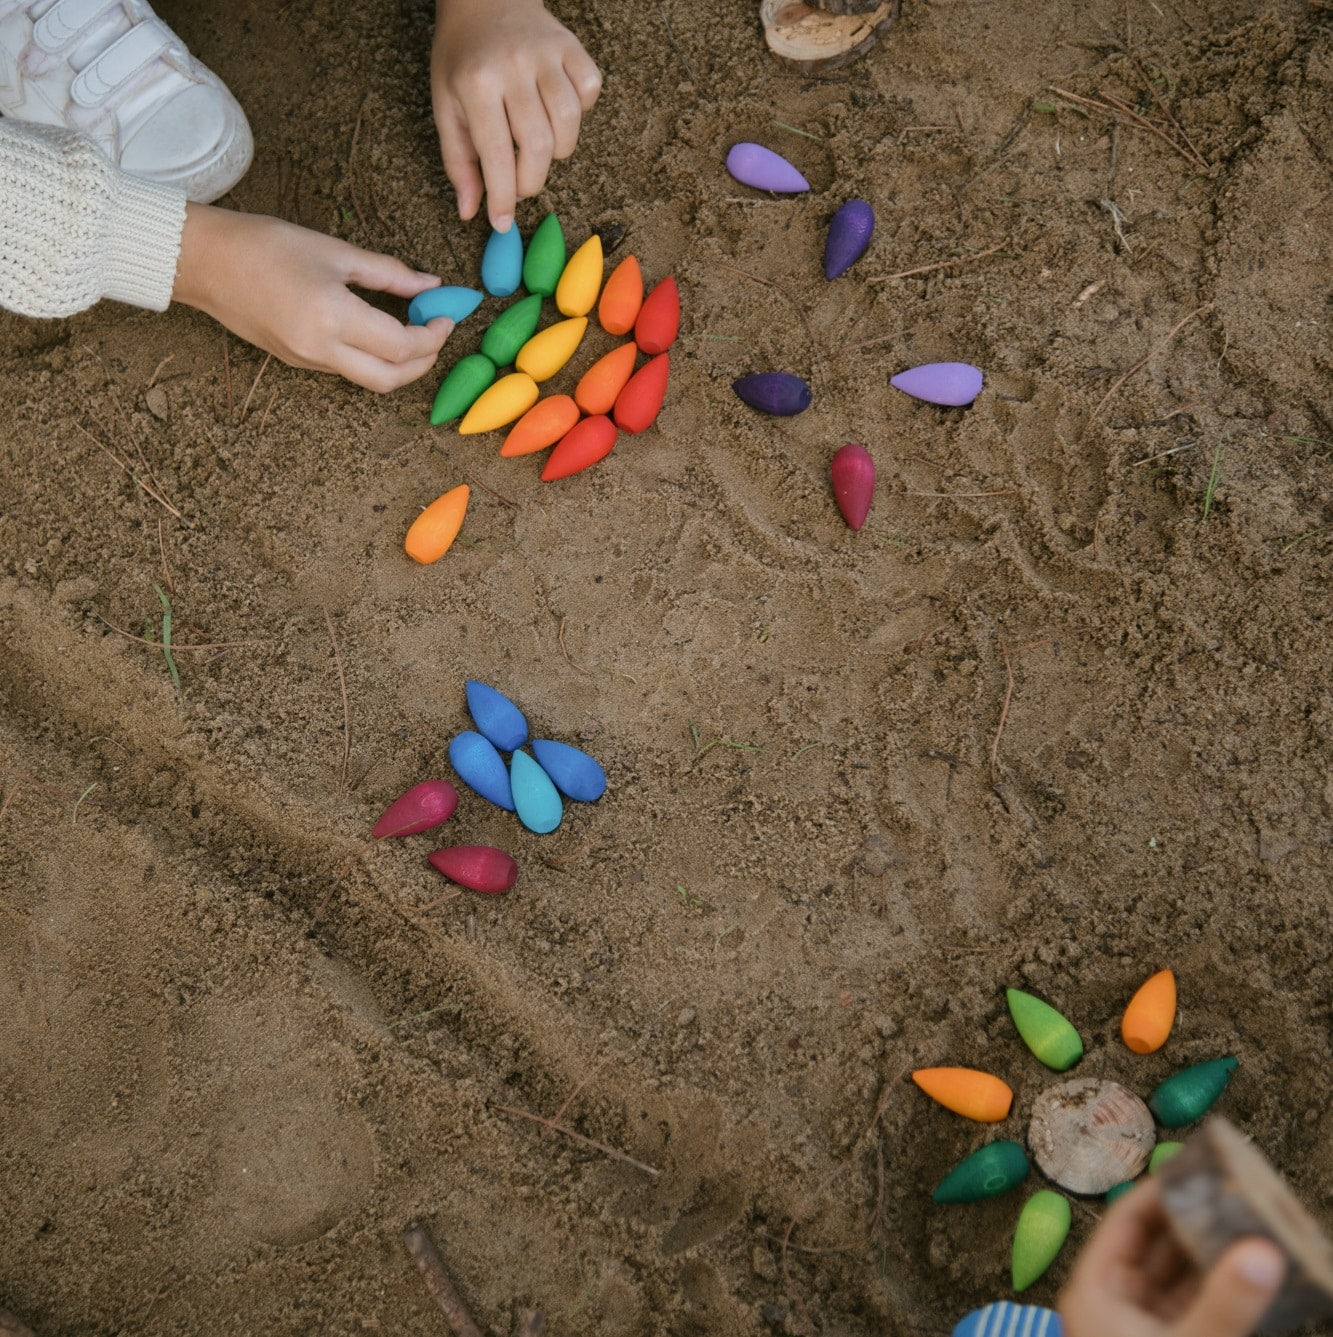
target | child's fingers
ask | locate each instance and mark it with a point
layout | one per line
(459, 156)
(382, 273)
(489, 128)
(534, 138)
(374, 373)
(1236, 1292)
(563, 110)
(380, 335)
(584, 76)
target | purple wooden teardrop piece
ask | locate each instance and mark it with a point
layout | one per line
(848, 236)
(950, 383)
(853, 473)
(754, 165)
(777, 392)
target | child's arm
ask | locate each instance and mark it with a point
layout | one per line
(1133, 1280)
(510, 86)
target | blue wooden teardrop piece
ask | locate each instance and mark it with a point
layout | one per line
(456, 303)
(502, 262)
(482, 768)
(1006, 1319)
(573, 772)
(496, 716)
(535, 800)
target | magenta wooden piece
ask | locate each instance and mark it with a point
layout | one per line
(777, 392)
(754, 165)
(952, 384)
(853, 473)
(422, 807)
(848, 236)
(477, 867)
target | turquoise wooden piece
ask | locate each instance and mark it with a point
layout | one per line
(535, 798)
(502, 262)
(456, 303)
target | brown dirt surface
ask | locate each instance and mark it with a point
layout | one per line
(1060, 715)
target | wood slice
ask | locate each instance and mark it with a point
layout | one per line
(1219, 1189)
(1088, 1135)
(815, 39)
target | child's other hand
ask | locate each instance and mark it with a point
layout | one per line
(509, 85)
(1133, 1280)
(284, 289)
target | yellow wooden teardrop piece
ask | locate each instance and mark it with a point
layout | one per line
(548, 350)
(576, 293)
(509, 398)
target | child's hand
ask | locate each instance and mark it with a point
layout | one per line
(284, 288)
(1133, 1280)
(506, 79)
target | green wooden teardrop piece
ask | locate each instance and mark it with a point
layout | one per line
(1163, 1151)
(995, 1168)
(1050, 1037)
(511, 329)
(545, 259)
(1042, 1227)
(462, 388)
(1187, 1095)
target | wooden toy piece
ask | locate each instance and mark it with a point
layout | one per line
(776, 392)
(1117, 1191)
(502, 262)
(478, 867)
(995, 1168)
(462, 388)
(541, 426)
(1151, 1013)
(852, 474)
(511, 329)
(455, 303)
(497, 718)
(757, 166)
(545, 260)
(951, 384)
(573, 772)
(638, 404)
(584, 444)
(1043, 1226)
(1221, 1189)
(1089, 1134)
(481, 768)
(548, 350)
(423, 806)
(535, 798)
(508, 399)
(1003, 1318)
(811, 39)
(621, 297)
(967, 1091)
(599, 386)
(658, 321)
(1189, 1094)
(431, 533)
(1162, 1153)
(849, 235)
(1050, 1036)
(581, 281)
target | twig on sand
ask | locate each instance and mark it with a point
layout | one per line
(342, 684)
(671, 37)
(939, 264)
(427, 1258)
(486, 487)
(272, 399)
(569, 1099)
(1008, 696)
(176, 646)
(133, 473)
(9, 798)
(254, 385)
(1148, 357)
(1114, 107)
(578, 1137)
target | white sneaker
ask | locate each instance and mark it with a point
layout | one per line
(114, 71)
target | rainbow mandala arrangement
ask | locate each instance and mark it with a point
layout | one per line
(1088, 1136)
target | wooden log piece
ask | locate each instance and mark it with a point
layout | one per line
(816, 39)
(1218, 1189)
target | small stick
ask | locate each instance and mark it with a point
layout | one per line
(1135, 119)
(999, 492)
(1161, 455)
(9, 798)
(161, 547)
(272, 399)
(671, 37)
(1008, 696)
(176, 647)
(578, 1137)
(427, 1258)
(1148, 357)
(1157, 97)
(435, 904)
(148, 488)
(166, 637)
(1087, 292)
(569, 1100)
(485, 487)
(342, 683)
(939, 264)
(157, 371)
(226, 367)
(254, 385)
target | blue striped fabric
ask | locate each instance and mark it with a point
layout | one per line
(1004, 1319)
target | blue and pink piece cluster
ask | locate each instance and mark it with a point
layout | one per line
(530, 784)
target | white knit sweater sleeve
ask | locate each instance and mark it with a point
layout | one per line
(74, 228)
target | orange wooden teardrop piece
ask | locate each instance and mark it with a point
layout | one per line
(638, 403)
(622, 297)
(584, 444)
(437, 526)
(1151, 1012)
(541, 426)
(966, 1091)
(596, 392)
(658, 321)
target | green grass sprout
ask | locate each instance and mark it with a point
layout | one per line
(1214, 474)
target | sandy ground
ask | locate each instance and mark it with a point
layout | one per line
(1058, 716)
